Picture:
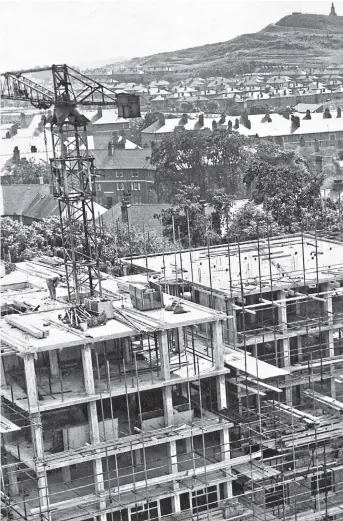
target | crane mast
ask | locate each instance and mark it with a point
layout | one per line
(72, 166)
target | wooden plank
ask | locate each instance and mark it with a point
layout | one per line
(37, 330)
(7, 426)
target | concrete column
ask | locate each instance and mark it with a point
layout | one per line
(282, 320)
(168, 405)
(86, 353)
(66, 474)
(179, 340)
(126, 350)
(53, 359)
(218, 344)
(328, 335)
(173, 466)
(12, 475)
(3, 380)
(300, 348)
(226, 456)
(164, 354)
(37, 433)
(232, 323)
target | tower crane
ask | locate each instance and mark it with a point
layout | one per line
(72, 166)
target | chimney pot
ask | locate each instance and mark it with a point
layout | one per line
(16, 155)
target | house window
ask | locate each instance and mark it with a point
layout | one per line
(321, 483)
(332, 137)
(120, 186)
(98, 187)
(134, 173)
(149, 173)
(119, 174)
(135, 186)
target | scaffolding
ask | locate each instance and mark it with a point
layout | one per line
(232, 410)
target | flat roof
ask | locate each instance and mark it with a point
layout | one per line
(281, 262)
(62, 336)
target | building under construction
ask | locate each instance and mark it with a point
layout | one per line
(214, 389)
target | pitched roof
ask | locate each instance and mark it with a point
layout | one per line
(123, 159)
(15, 199)
(139, 215)
(42, 206)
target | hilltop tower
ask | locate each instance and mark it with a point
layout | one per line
(333, 10)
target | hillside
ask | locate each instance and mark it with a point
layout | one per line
(297, 39)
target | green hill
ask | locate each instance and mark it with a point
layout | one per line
(297, 39)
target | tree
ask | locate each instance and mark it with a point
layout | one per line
(251, 222)
(27, 172)
(221, 203)
(289, 190)
(20, 242)
(187, 217)
(200, 158)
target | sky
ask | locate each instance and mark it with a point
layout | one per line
(83, 32)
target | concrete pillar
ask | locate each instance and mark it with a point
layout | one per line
(282, 320)
(3, 379)
(231, 323)
(66, 474)
(328, 335)
(53, 359)
(300, 348)
(173, 467)
(12, 475)
(218, 344)
(179, 340)
(37, 433)
(164, 354)
(226, 456)
(168, 405)
(126, 350)
(86, 353)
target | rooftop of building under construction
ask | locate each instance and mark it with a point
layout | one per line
(251, 267)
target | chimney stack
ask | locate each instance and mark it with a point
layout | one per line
(184, 119)
(201, 120)
(229, 125)
(244, 120)
(307, 115)
(214, 125)
(125, 210)
(222, 119)
(327, 114)
(266, 118)
(110, 149)
(161, 119)
(99, 113)
(319, 164)
(339, 112)
(295, 123)
(16, 155)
